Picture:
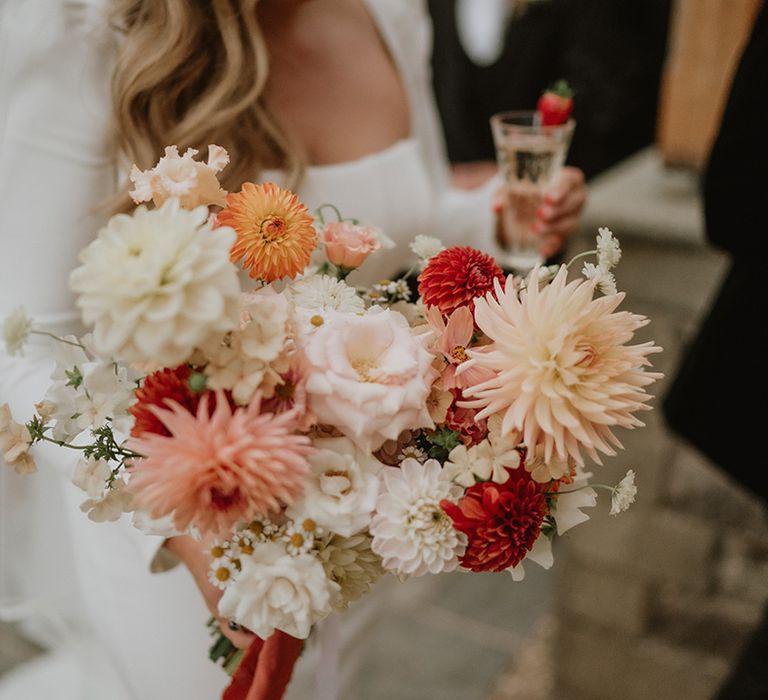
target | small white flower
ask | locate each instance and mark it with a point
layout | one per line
(411, 532)
(15, 443)
(412, 452)
(323, 292)
(604, 279)
(566, 507)
(298, 539)
(543, 470)
(111, 506)
(275, 590)
(350, 562)
(608, 249)
(16, 329)
(91, 476)
(547, 273)
(222, 572)
(483, 462)
(426, 247)
(342, 489)
(623, 494)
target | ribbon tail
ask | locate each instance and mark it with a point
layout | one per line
(275, 667)
(242, 678)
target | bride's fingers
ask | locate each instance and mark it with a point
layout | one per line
(240, 637)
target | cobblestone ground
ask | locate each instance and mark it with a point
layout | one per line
(653, 604)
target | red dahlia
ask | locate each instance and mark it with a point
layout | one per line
(158, 386)
(501, 521)
(456, 276)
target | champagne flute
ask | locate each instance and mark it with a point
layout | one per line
(530, 157)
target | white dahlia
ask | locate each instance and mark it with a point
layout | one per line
(563, 372)
(341, 491)
(326, 293)
(277, 591)
(155, 284)
(411, 532)
(350, 562)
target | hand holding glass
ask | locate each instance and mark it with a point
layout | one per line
(530, 158)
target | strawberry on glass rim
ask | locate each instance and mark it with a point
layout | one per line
(555, 104)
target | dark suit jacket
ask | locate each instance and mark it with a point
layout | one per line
(718, 399)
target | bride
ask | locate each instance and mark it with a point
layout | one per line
(329, 97)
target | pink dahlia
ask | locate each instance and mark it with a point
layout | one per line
(564, 374)
(501, 521)
(457, 276)
(214, 470)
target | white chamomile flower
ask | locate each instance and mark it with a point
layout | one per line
(426, 247)
(604, 279)
(263, 530)
(16, 329)
(623, 494)
(299, 537)
(608, 249)
(222, 572)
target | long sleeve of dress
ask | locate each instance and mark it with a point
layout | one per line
(55, 171)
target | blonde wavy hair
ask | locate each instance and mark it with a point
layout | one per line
(192, 73)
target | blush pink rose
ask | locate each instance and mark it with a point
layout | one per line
(348, 245)
(368, 376)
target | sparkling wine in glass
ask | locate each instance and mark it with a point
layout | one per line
(530, 157)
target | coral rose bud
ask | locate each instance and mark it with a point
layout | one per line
(348, 245)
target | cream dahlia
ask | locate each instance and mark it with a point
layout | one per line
(411, 531)
(564, 373)
(153, 285)
(351, 563)
(221, 468)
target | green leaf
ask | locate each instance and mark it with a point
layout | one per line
(74, 377)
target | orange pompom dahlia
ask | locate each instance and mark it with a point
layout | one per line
(275, 232)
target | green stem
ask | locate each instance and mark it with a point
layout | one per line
(581, 488)
(60, 339)
(319, 212)
(580, 255)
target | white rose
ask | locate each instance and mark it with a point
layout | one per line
(341, 492)
(277, 591)
(368, 376)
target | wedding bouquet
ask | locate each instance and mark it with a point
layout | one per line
(315, 435)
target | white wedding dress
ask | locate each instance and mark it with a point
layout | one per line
(85, 590)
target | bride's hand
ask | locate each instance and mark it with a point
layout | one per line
(559, 216)
(194, 555)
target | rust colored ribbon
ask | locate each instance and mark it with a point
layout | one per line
(265, 669)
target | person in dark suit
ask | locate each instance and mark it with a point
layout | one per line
(717, 399)
(610, 51)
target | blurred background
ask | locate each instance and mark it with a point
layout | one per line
(657, 602)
